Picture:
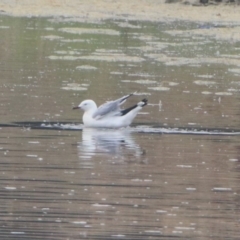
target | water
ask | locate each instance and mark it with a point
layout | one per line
(173, 174)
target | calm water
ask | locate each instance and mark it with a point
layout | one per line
(173, 174)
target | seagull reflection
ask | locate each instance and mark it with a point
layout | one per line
(118, 143)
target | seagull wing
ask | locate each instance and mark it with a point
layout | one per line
(112, 107)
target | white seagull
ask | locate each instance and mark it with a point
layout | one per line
(109, 114)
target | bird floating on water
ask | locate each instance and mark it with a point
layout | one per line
(109, 114)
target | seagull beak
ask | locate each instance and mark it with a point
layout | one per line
(74, 108)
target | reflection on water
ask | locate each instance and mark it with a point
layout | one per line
(114, 184)
(174, 174)
(116, 143)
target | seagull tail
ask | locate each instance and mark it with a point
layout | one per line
(140, 104)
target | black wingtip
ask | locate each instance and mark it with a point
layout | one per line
(140, 104)
(145, 101)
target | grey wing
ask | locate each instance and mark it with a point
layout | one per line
(105, 109)
(111, 107)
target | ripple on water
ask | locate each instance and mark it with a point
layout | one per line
(127, 25)
(90, 31)
(203, 82)
(67, 52)
(72, 40)
(52, 37)
(118, 235)
(107, 57)
(49, 29)
(66, 126)
(75, 87)
(194, 131)
(193, 62)
(135, 129)
(233, 160)
(230, 33)
(66, 57)
(4, 27)
(32, 156)
(79, 222)
(140, 74)
(141, 81)
(172, 83)
(206, 92)
(223, 93)
(144, 37)
(142, 93)
(10, 188)
(116, 73)
(191, 189)
(236, 71)
(233, 90)
(221, 189)
(205, 76)
(115, 58)
(159, 88)
(153, 231)
(86, 67)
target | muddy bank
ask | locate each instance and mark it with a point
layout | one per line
(145, 10)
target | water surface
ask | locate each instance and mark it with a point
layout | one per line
(173, 174)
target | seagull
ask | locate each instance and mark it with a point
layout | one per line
(109, 114)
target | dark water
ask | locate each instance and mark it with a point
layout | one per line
(174, 174)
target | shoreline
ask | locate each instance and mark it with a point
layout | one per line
(135, 10)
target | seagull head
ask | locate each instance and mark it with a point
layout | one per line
(87, 105)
